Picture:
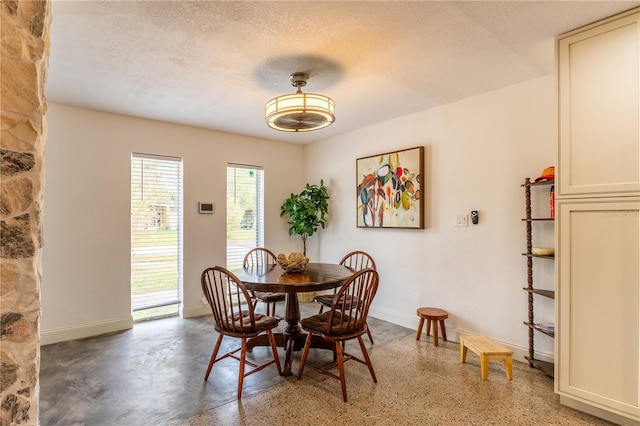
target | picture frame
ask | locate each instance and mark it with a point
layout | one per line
(389, 190)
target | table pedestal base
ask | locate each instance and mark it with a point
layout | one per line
(290, 343)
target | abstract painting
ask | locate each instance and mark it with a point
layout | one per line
(389, 189)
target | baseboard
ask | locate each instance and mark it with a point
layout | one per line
(453, 334)
(598, 412)
(56, 335)
(194, 311)
(63, 334)
(409, 321)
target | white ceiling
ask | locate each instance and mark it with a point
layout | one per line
(214, 64)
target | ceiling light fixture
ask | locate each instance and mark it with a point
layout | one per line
(299, 112)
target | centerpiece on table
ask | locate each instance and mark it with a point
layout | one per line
(295, 262)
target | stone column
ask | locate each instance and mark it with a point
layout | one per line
(24, 57)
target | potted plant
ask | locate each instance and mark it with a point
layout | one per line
(307, 211)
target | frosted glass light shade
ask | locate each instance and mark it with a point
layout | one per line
(300, 112)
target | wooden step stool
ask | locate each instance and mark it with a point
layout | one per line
(487, 349)
(435, 315)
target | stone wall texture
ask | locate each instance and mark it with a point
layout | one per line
(24, 31)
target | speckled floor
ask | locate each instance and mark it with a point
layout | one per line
(153, 375)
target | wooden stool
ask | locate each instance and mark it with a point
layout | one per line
(487, 349)
(432, 314)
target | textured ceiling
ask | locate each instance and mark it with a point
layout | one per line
(214, 64)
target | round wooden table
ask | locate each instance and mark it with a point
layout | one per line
(315, 277)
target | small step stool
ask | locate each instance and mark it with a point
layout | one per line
(487, 349)
(435, 315)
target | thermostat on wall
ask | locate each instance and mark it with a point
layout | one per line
(205, 208)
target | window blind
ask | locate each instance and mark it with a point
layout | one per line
(245, 211)
(156, 231)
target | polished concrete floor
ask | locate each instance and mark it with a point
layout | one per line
(153, 372)
(153, 375)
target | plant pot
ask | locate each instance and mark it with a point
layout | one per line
(306, 297)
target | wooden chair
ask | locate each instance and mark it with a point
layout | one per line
(356, 260)
(344, 321)
(258, 257)
(225, 292)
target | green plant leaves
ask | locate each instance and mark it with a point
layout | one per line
(307, 211)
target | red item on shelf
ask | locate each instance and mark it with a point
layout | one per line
(547, 174)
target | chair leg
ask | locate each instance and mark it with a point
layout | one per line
(335, 354)
(213, 357)
(305, 352)
(321, 308)
(343, 383)
(274, 349)
(369, 334)
(367, 359)
(243, 355)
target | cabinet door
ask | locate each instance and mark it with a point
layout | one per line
(599, 93)
(598, 302)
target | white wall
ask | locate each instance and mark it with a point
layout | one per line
(478, 152)
(86, 263)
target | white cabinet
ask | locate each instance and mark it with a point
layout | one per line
(598, 358)
(598, 88)
(597, 367)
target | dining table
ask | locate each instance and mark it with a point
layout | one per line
(314, 277)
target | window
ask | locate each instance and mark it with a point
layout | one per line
(245, 211)
(156, 235)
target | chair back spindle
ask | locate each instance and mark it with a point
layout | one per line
(259, 257)
(358, 260)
